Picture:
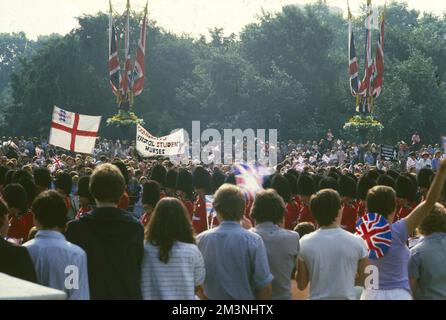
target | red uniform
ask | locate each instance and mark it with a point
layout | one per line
(124, 202)
(145, 218)
(305, 215)
(292, 212)
(404, 211)
(349, 216)
(360, 208)
(189, 206)
(20, 227)
(199, 217)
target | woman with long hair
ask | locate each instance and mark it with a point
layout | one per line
(173, 267)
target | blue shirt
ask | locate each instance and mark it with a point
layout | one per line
(427, 265)
(236, 262)
(59, 264)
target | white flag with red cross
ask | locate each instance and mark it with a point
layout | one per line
(73, 131)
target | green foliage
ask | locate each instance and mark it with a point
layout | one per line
(287, 71)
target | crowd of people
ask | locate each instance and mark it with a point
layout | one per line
(142, 228)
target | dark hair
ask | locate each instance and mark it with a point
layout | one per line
(169, 223)
(30, 188)
(325, 206)
(381, 200)
(50, 210)
(15, 196)
(230, 179)
(159, 174)
(3, 171)
(424, 177)
(304, 228)
(151, 193)
(8, 176)
(435, 221)
(42, 177)
(64, 182)
(292, 179)
(171, 178)
(123, 169)
(19, 174)
(282, 186)
(268, 206)
(3, 208)
(229, 202)
(202, 179)
(329, 182)
(217, 179)
(386, 180)
(83, 188)
(364, 185)
(107, 183)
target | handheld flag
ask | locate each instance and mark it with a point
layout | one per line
(210, 211)
(374, 229)
(73, 131)
(249, 178)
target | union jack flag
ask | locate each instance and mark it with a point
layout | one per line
(126, 82)
(249, 178)
(365, 87)
(113, 58)
(378, 76)
(374, 229)
(210, 211)
(353, 61)
(138, 70)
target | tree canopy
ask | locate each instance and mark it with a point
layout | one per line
(286, 71)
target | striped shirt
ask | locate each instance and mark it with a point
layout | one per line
(175, 280)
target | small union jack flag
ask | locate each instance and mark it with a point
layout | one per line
(376, 232)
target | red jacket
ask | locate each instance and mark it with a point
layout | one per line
(20, 227)
(349, 216)
(199, 217)
(124, 202)
(292, 213)
(305, 215)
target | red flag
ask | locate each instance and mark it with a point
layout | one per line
(125, 79)
(113, 58)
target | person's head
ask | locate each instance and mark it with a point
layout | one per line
(217, 179)
(151, 193)
(123, 169)
(4, 222)
(282, 186)
(347, 187)
(64, 183)
(435, 221)
(159, 174)
(386, 180)
(229, 202)
(328, 182)
(382, 200)
(305, 185)
(364, 185)
(405, 189)
(15, 196)
(304, 228)
(50, 211)
(325, 207)
(184, 182)
(30, 189)
(107, 184)
(268, 206)
(169, 223)
(424, 178)
(171, 179)
(42, 179)
(202, 180)
(83, 191)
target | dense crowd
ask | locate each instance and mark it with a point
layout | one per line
(141, 228)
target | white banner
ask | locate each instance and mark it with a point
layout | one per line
(148, 145)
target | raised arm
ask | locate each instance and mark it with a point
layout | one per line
(415, 218)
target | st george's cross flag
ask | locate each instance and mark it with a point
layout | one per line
(374, 229)
(73, 131)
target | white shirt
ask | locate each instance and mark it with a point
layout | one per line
(411, 163)
(422, 163)
(176, 279)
